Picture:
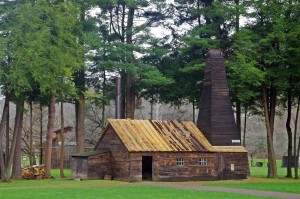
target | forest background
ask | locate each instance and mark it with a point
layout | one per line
(69, 52)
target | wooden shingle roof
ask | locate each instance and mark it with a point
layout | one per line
(162, 136)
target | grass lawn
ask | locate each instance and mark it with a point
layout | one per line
(100, 189)
(66, 188)
(263, 171)
(56, 173)
(278, 185)
(258, 180)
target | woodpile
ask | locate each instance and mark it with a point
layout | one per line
(35, 172)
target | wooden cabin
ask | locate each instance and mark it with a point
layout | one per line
(136, 150)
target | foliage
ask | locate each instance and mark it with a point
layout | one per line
(42, 48)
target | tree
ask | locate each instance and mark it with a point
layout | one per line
(268, 34)
(123, 39)
(15, 81)
(296, 150)
(196, 28)
(47, 41)
(291, 44)
(79, 80)
(5, 170)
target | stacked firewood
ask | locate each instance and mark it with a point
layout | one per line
(35, 172)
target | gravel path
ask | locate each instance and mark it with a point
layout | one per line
(225, 189)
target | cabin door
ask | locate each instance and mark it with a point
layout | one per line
(147, 167)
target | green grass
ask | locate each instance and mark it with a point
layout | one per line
(55, 173)
(277, 185)
(263, 171)
(258, 180)
(66, 188)
(101, 189)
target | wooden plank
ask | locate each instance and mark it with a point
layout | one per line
(145, 136)
(130, 145)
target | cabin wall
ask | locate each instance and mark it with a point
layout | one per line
(91, 167)
(99, 166)
(79, 168)
(233, 166)
(119, 155)
(165, 168)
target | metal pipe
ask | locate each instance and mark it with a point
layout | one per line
(118, 97)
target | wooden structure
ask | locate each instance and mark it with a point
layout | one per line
(135, 150)
(69, 147)
(216, 119)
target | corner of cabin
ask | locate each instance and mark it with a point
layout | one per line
(232, 162)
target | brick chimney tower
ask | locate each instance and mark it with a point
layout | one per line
(216, 120)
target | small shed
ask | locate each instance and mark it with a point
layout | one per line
(136, 150)
(91, 165)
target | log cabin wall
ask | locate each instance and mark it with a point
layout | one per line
(79, 168)
(233, 166)
(165, 168)
(119, 155)
(99, 166)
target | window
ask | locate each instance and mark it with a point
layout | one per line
(180, 161)
(203, 161)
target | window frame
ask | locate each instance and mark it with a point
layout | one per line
(203, 162)
(180, 161)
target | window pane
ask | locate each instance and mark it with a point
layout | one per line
(180, 161)
(203, 161)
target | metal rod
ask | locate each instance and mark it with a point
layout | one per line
(118, 97)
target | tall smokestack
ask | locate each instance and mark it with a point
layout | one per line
(216, 118)
(118, 97)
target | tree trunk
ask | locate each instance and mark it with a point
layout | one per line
(41, 135)
(296, 153)
(4, 177)
(289, 134)
(130, 90)
(272, 107)
(11, 154)
(31, 141)
(49, 136)
(17, 155)
(62, 139)
(252, 160)
(245, 127)
(237, 15)
(238, 118)
(123, 94)
(104, 101)
(272, 169)
(7, 131)
(80, 131)
(80, 85)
